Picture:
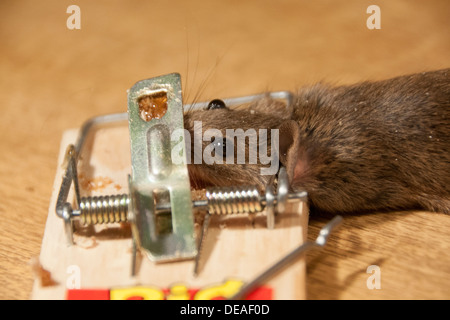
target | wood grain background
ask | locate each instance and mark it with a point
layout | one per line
(53, 78)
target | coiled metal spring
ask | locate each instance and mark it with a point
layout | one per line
(103, 209)
(114, 208)
(233, 200)
(223, 200)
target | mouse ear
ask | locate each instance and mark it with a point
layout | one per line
(273, 107)
(288, 146)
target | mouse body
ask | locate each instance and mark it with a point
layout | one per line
(371, 146)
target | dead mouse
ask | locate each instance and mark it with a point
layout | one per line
(370, 146)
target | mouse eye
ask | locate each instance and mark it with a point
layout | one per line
(216, 104)
(220, 146)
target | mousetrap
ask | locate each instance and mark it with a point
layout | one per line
(124, 222)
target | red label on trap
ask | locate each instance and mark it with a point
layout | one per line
(175, 292)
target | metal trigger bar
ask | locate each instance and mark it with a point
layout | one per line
(320, 242)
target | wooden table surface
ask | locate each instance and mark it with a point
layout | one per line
(53, 78)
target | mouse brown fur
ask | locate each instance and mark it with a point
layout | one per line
(380, 145)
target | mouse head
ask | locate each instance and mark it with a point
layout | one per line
(232, 146)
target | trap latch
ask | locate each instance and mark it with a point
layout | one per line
(159, 204)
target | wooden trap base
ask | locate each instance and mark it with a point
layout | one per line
(236, 250)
